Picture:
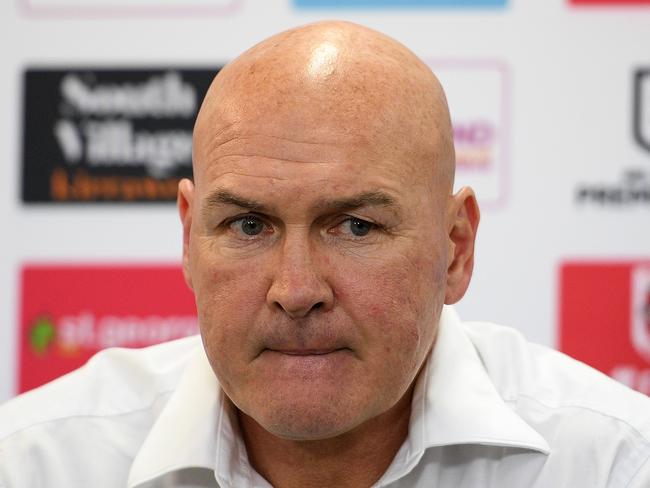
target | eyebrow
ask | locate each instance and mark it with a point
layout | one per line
(221, 197)
(365, 199)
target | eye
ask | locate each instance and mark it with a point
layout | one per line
(358, 227)
(249, 225)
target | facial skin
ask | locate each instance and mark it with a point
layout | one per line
(321, 238)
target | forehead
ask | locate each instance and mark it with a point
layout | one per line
(329, 107)
(297, 136)
(289, 160)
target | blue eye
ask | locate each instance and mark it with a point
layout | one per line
(249, 225)
(359, 227)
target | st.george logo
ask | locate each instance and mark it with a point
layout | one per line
(640, 312)
(642, 108)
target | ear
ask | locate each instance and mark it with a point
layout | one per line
(462, 222)
(185, 201)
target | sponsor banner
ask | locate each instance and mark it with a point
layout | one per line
(398, 3)
(478, 97)
(68, 313)
(109, 135)
(632, 188)
(127, 7)
(605, 318)
(610, 2)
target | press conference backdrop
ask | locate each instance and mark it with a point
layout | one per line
(550, 102)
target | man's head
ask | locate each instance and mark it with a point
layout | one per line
(321, 236)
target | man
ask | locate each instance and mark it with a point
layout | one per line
(323, 243)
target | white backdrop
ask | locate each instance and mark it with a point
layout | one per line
(562, 76)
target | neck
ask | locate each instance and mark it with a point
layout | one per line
(356, 458)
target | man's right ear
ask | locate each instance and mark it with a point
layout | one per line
(185, 201)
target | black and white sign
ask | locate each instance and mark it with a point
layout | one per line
(109, 135)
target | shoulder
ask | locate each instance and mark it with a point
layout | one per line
(114, 382)
(520, 369)
(580, 411)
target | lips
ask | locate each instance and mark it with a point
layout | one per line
(307, 352)
(304, 342)
(300, 364)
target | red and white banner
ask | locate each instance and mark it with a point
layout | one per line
(605, 318)
(611, 2)
(68, 313)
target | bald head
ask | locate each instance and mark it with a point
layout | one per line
(333, 74)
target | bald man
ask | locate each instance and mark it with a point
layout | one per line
(324, 246)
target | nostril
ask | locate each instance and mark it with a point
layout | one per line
(299, 312)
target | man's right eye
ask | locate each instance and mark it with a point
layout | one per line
(249, 225)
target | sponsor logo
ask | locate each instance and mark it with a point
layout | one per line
(127, 7)
(477, 93)
(74, 333)
(633, 186)
(610, 2)
(640, 323)
(109, 135)
(398, 3)
(605, 318)
(69, 313)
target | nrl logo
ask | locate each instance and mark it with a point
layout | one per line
(640, 313)
(642, 108)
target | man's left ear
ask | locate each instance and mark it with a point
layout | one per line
(462, 222)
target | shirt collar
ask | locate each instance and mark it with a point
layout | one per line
(197, 428)
(455, 402)
(184, 435)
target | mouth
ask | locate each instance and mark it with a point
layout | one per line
(307, 352)
(299, 364)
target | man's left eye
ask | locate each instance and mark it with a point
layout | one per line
(358, 227)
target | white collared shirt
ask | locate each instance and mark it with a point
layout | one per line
(488, 410)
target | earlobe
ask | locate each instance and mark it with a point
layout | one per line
(185, 200)
(463, 223)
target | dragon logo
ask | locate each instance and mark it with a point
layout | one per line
(640, 313)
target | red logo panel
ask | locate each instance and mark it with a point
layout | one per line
(605, 318)
(68, 313)
(610, 2)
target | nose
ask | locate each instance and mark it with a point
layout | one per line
(298, 286)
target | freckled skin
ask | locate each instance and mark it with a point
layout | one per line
(317, 334)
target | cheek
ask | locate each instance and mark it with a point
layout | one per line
(228, 299)
(396, 302)
(222, 284)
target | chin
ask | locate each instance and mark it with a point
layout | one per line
(307, 428)
(315, 418)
